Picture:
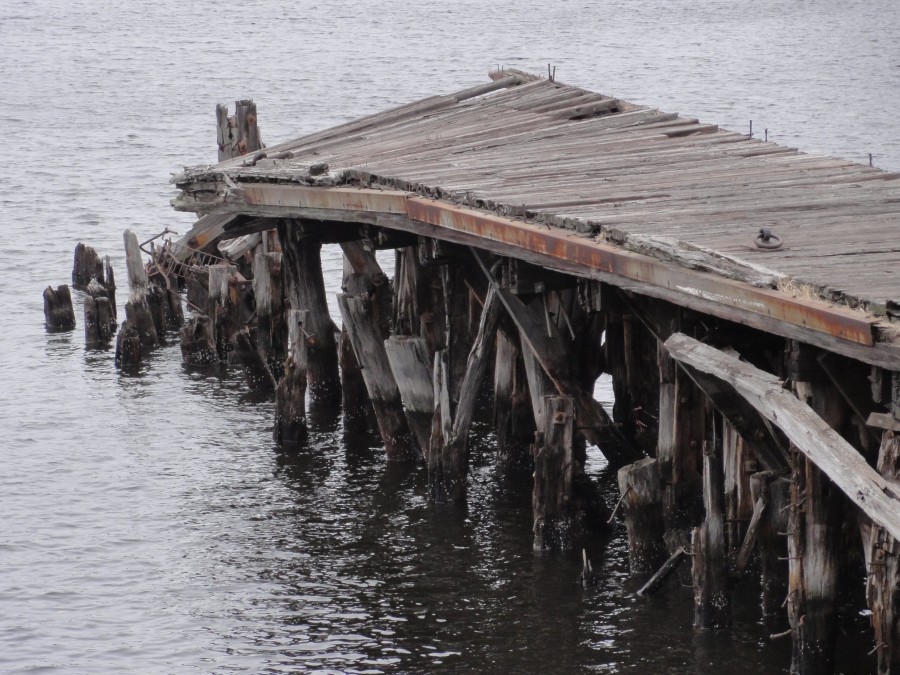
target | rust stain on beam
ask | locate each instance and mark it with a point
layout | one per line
(573, 249)
(562, 245)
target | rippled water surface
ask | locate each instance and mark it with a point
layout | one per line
(148, 524)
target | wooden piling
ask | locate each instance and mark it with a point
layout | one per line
(770, 490)
(641, 494)
(513, 418)
(222, 306)
(137, 309)
(306, 291)
(551, 499)
(412, 369)
(271, 329)
(883, 562)
(712, 598)
(86, 266)
(814, 542)
(59, 314)
(128, 346)
(290, 395)
(361, 320)
(99, 322)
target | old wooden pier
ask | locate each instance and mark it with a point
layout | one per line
(744, 297)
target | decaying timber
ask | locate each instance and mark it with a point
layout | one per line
(58, 311)
(554, 235)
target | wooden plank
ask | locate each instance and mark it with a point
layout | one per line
(837, 459)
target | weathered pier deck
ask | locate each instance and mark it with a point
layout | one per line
(745, 298)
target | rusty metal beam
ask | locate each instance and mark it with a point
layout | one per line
(837, 329)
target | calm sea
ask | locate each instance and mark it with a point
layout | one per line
(148, 524)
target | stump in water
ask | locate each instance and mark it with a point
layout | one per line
(290, 395)
(87, 266)
(128, 346)
(137, 310)
(99, 322)
(641, 491)
(198, 343)
(58, 311)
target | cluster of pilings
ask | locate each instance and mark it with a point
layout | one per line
(94, 278)
(703, 474)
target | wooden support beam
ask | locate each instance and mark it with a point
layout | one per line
(811, 435)
(550, 351)
(477, 363)
(360, 317)
(290, 394)
(551, 500)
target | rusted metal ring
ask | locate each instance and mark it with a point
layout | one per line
(767, 241)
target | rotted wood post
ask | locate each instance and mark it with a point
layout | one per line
(137, 309)
(641, 495)
(271, 328)
(409, 361)
(222, 306)
(306, 290)
(360, 318)
(738, 464)
(59, 314)
(290, 395)
(553, 472)
(86, 266)
(99, 322)
(814, 541)
(883, 561)
(712, 597)
(354, 397)
(237, 134)
(513, 417)
(770, 490)
(684, 410)
(128, 346)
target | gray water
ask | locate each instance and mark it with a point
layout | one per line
(148, 523)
